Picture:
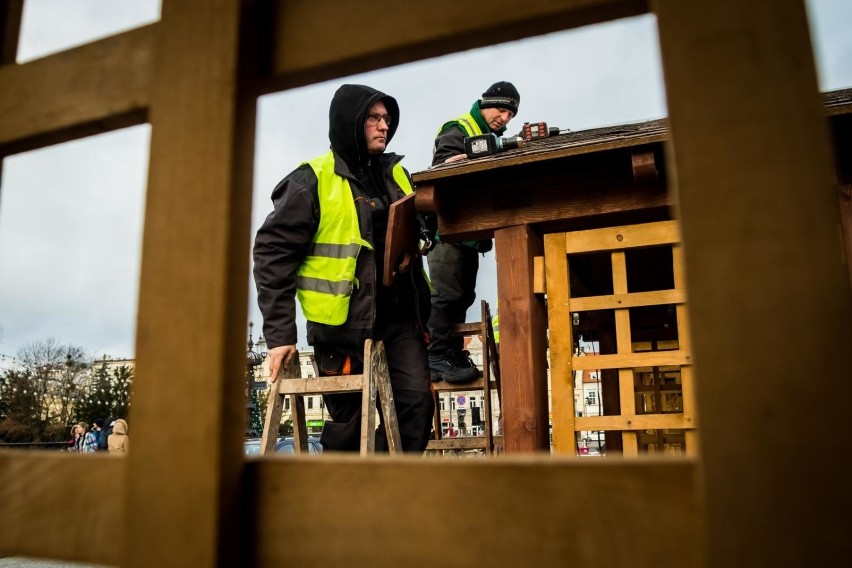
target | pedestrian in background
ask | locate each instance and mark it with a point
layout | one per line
(103, 440)
(90, 444)
(77, 435)
(118, 441)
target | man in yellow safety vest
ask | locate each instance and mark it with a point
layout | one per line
(324, 243)
(453, 266)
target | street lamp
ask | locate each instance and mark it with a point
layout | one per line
(255, 354)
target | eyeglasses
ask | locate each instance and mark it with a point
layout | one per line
(373, 119)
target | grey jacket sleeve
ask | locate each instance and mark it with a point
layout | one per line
(280, 247)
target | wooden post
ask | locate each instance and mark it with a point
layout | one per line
(769, 297)
(523, 343)
(189, 409)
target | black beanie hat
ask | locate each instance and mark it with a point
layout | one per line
(99, 422)
(501, 95)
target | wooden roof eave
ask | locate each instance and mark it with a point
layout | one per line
(536, 152)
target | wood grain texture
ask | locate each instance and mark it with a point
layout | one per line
(523, 348)
(187, 460)
(275, 408)
(623, 338)
(502, 512)
(55, 505)
(749, 143)
(419, 31)
(623, 361)
(90, 89)
(636, 422)
(687, 376)
(480, 208)
(561, 345)
(633, 300)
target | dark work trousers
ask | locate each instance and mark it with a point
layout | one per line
(452, 270)
(409, 375)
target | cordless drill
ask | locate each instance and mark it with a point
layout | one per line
(489, 144)
(535, 130)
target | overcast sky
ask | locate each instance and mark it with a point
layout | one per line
(71, 215)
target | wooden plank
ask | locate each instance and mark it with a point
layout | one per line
(635, 422)
(420, 31)
(624, 237)
(476, 211)
(275, 407)
(747, 129)
(383, 385)
(539, 275)
(10, 29)
(561, 345)
(465, 443)
(401, 238)
(193, 284)
(486, 337)
(630, 360)
(687, 377)
(317, 385)
(368, 401)
(624, 345)
(42, 517)
(626, 300)
(844, 196)
(562, 504)
(90, 89)
(300, 427)
(444, 386)
(523, 347)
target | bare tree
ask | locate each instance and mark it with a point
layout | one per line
(56, 372)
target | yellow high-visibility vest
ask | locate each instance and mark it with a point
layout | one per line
(468, 125)
(326, 278)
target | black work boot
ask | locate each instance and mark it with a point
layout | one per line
(446, 367)
(462, 359)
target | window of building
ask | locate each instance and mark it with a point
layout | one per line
(310, 402)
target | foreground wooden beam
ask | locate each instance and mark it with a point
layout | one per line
(87, 90)
(769, 296)
(506, 512)
(189, 412)
(556, 519)
(316, 40)
(57, 505)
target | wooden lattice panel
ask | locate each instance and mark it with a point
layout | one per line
(656, 402)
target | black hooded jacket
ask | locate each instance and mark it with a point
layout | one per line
(282, 242)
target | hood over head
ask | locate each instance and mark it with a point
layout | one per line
(120, 427)
(346, 116)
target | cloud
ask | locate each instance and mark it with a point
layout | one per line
(71, 215)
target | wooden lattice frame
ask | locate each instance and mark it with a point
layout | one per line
(746, 127)
(615, 240)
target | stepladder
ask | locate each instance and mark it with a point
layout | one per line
(455, 396)
(374, 384)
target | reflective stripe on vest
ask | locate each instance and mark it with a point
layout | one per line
(326, 278)
(468, 125)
